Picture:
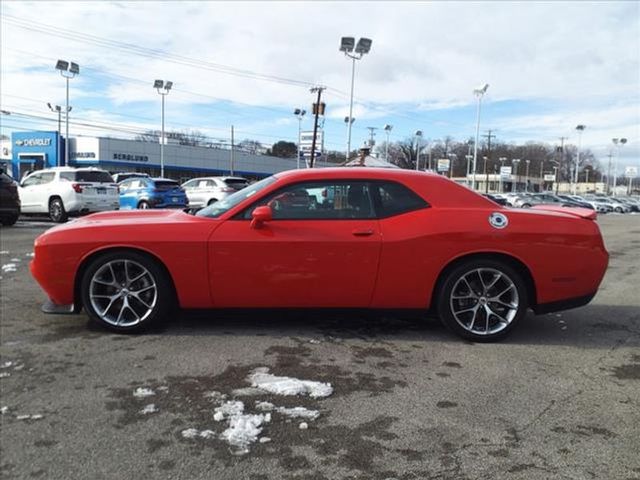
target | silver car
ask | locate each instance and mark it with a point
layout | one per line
(204, 191)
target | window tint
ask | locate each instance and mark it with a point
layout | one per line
(236, 183)
(323, 200)
(394, 199)
(47, 177)
(166, 185)
(93, 176)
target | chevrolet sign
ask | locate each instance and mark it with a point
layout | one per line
(33, 142)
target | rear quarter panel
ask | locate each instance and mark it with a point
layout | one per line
(565, 255)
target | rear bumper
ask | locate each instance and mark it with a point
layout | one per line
(566, 304)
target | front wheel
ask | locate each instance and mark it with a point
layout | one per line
(9, 221)
(57, 212)
(482, 300)
(143, 205)
(126, 292)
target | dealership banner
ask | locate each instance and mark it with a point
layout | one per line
(631, 172)
(443, 164)
(505, 173)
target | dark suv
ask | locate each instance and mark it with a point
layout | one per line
(9, 200)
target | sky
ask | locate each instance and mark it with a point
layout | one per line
(550, 66)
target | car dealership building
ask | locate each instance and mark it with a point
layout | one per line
(43, 149)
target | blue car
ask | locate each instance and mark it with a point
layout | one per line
(142, 192)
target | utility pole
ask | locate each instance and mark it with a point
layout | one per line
(231, 158)
(562, 139)
(487, 158)
(372, 134)
(609, 173)
(316, 111)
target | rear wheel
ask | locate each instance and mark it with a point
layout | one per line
(526, 205)
(211, 202)
(57, 212)
(482, 300)
(126, 292)
(143, 205)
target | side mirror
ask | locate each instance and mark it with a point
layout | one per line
(260, 215)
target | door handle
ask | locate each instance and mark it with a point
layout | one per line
(362, 233)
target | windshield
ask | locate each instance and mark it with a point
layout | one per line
(216, 209)
(96, 176)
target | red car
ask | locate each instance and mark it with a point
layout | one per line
(362, 237)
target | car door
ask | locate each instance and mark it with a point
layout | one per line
(34, 192)
(128, 197)
(320, 249)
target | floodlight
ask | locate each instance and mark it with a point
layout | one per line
(297, 111)
(388, 128)
(62, 65)
(74, 68)
(623, 141)
(158, 84)
(347, 44)
(418, 133)
(168, 85)
(303, 112)
(363, 46)
(481, 90)
(581, 127)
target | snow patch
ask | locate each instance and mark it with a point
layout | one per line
(303, 426)
(36, 416)
(243, 430)
(6, 364)
(30, 254)
(264, 439)
(228, 409)
(295, 412)
(141, 392)
(4, 252)
(15, 260)
(9, 267)
(189, 433)
(4, 410)
(5, 374)
(260, 378)
(265, 406)
(151, 408)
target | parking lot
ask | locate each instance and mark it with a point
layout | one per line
(560, 398)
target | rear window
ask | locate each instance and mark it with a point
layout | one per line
(87, 176)
(236, 183)
(166, 184)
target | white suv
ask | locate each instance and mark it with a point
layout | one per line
(207, 190)
(64, 191)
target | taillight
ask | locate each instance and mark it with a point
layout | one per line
(76, 187)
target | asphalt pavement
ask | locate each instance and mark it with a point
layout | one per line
(559, 399)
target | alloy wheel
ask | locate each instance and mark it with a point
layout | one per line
(484, 301)
(123, 293)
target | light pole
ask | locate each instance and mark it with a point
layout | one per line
(515, 162)
(348, 121)
(387, 129)
(163, 87)
(58, 110)
(526, 176)
(478, 92)
(67, 70)
(418, 146)
(502, 160)
(469, 158)
(580, 129)
(299, 114)
(347, 45)
(618, 142)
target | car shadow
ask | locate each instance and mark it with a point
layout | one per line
(594, 326)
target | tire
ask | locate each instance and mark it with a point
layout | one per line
(482, 308)
(9, 221)
(526, 205)
(211, 202)
(618, 210)
(143, 205)
(57, 212)
(126, 292)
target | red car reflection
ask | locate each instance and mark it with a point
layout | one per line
(344, 237)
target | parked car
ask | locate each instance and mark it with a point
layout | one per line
(387, 239)
(618, 206)
(599, 204)
(64, 191)
(121, 177)
(526, 201)
(9, 200)
(631, 202)
(141, 192)
(495, 198)
(207, 190)
(550, 198)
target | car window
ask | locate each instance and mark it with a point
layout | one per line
(125, 185)
(393, 199)
(96, 176)
(236, 183)
(136, 184)
(218, 208)
(320, 200)
(47, 177)
(190, 184)
(32, 180)
(166, 185)
(205, 184)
